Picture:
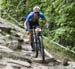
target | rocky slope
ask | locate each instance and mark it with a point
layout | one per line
(15, 52)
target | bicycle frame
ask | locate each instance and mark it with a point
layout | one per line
(38, 42)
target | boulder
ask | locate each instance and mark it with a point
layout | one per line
(4, 27)
(5, 49)
(13, 44)
(19, 62)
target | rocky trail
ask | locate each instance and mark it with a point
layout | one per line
(15, 51)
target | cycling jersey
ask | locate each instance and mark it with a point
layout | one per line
(31, 15)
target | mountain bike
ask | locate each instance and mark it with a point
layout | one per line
(37, 40)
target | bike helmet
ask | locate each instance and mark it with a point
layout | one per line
(36, 9)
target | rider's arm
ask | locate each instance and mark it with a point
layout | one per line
(29, 18)
(46, 23)
(27, 21)
(44, 19)
(25, 24)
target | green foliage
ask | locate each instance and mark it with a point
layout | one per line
(15, 8)
(57, 49)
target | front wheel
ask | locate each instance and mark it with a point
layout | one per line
(42, 48)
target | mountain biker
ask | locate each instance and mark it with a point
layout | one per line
(33, 20)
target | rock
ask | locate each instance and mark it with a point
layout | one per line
(19, 62)
(4, 36)
(20, 42)
(37, 59)
(8, 66)
(2, 65)
(1, 56)
(4, 27)
(15, 65)
(15, 55)
(5, 49)
(18, 29)
(71, 64)
(0, 30)
(26, 41)
(20, 34)
(13, 44)
(2, 42)
(0, 33)
(65, 62)
(14, 34)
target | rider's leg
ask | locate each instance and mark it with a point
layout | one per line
(30, 39)
(30, 33)
(30, 36)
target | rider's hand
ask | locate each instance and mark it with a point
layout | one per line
(27, 31)
(47, 25)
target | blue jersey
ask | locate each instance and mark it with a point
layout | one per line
(31, 15)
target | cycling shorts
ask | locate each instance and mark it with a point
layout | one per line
(32, 24)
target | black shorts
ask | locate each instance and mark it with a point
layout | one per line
(33, 24)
